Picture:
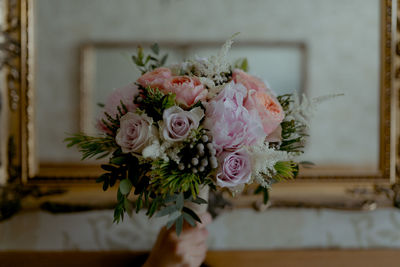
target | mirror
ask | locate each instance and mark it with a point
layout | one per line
(79, 50)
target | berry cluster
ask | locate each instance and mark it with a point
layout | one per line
(199, 157)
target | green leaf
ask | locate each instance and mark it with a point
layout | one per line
(189, 219)
(125, 186)
(163, 60)
(155, 48)
(128, 206)
(118, 160)
(264, 191)
(179, 201)
(106, 183)
(139, 203)
(102, 178)
(107, 167)
(112, 181)
(170, 223)
(167, 210)
(153, 208)
(191, 213)
(179, 225)
(120, 196)
(170, 198)
(199, 201)
(242, 64)
(140, 54)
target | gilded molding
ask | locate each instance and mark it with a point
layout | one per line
(11, 52)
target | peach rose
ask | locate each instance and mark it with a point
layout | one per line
(249, 81)
(155, 78)
(188, 90)
(269, 110)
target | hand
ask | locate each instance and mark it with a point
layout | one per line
(187, 250)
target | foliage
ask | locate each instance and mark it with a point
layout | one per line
(167, 179)
(293, 131)
(262, 190)
(285, 170)
(242, 63)
(154, 102)
(91, 146)
(150, 62)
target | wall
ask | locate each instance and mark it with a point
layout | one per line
(239, 229)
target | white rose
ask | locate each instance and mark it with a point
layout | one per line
(135, 133)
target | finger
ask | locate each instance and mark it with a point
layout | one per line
(194, 234)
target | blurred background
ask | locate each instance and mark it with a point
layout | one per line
(82, 50)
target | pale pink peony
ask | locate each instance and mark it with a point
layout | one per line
(125, 94)
(177, 123)
(135, 133)
(231, 125)
(235, 169)
(188, 90)
(155, 78)
(269, 110)
(249, 81)
(261, 100)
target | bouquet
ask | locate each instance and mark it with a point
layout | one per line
(183, 129)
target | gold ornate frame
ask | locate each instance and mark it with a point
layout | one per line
(342, 191)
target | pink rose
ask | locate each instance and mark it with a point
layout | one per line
(249, 81)
(188, 90)
(126, 95)
(235, 168)
(269, 110)
(135, 133)
(155, 78)
(177, 123)
(231, 125)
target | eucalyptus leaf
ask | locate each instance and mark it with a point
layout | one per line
(167, 210)
(173, 216)
(170, 198)
(179, 225)
(179, 201)
(189, 219)
(199, 201)
(191, 213)
(125, 186)
(170, 223)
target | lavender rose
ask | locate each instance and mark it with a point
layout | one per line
(177, 123)
(235, 168)
(135, 133)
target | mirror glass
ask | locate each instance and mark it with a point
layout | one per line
(83, 48)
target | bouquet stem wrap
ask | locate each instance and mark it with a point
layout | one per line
(200, 208)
